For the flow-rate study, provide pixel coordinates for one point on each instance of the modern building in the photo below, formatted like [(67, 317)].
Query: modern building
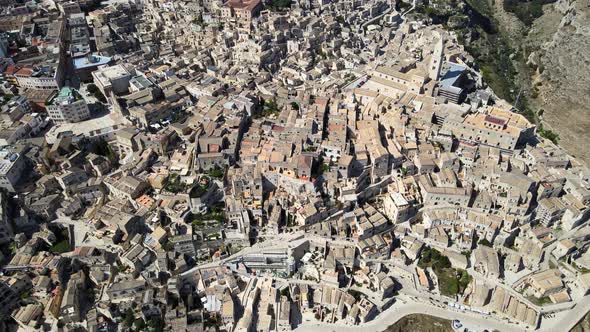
[(113, 79), (450, 83), (68, 106), (86, 65), (42, 77), (12, 166)]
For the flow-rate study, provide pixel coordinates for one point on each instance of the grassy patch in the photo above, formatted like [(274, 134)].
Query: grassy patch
[(129, 317), (63, 241), (419, 322), (540, 301), (61, 247)]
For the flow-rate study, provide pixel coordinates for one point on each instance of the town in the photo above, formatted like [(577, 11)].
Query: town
[(250, 165)]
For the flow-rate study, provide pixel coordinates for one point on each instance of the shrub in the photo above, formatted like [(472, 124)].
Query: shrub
[(548, 134)]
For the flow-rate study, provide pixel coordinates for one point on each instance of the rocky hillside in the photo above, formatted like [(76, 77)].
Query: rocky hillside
[(560, 44)]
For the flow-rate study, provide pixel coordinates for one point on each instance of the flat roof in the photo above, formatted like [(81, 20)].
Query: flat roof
[(450, 78), (91, 61)]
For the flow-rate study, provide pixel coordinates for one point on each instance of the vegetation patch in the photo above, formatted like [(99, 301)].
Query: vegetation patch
[(95, 91), (278, 5), (484, 242), (526, 11), (201, 219), (540, 301), (418, 322), (61, 247), (102, 148), (548, 134), (216, 173), (174, 184), (63, 242), (451, 281)]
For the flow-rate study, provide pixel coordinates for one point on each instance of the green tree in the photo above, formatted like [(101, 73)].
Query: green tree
[(155, 324), (278, 5), (216, 173), (96, 92), (139, 325), (129, 317), (485, 242)]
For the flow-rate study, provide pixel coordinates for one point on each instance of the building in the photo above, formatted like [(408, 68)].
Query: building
[(397, 208), (128, 187), (47, 74), (70, 305), (126, 290), (370, 146), (388, 78), (443, 195), (8, 298), (242, 11), (126, 142), (12, 166), (28, 317), (113, 79), (86, 65), (68, 106), (546, 282), (494, 127), (450, 83), (550, 210), (150, 114), (485, 261)]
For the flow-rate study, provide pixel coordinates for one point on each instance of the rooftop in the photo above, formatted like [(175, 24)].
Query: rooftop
[(91, 61)]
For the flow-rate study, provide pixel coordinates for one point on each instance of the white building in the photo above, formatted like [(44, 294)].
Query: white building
[(67, 107), (397, 208), (45, 75), (12, 166), (112, 79)]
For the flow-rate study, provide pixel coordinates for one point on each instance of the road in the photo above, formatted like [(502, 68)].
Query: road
[(377, 18), (413, 301), (566, 320), (409, 10), (406, 306)]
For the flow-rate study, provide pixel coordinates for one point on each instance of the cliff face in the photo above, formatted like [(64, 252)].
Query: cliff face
[(562, 79)]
